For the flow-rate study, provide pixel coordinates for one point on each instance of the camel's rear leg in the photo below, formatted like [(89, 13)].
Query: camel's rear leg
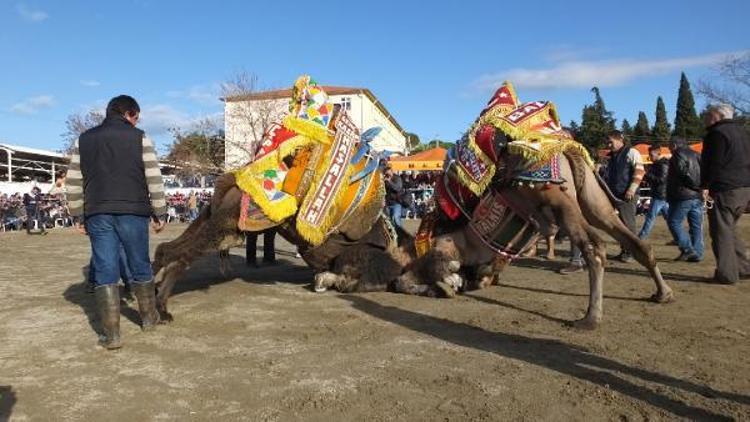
[(594, 253), (600, 213), (642, 252)]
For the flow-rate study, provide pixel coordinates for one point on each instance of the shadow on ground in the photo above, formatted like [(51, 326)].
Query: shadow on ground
[(203, 274), (7, 401), (557, 356), (555, 266)]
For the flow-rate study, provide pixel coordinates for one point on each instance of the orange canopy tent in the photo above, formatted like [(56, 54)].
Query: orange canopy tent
[(427, 160), (663, 151)]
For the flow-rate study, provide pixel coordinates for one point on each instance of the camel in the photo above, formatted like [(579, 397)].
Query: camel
[(366, 253), (579, 205)]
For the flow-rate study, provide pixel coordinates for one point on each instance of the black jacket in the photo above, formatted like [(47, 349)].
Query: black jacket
[(619, 172), (113, 169), (726, 157), (684, 176), (656, 177)]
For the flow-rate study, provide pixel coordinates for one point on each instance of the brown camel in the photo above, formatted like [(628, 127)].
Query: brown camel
[(578, 205), (366, 253)]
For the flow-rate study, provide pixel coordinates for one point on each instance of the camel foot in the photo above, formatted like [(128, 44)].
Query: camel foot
[(586, 323), (324, 280), (445, 290), (663, 297), (164, 316)]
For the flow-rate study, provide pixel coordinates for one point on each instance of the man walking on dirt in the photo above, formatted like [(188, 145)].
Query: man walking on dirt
[(624, 174), (725, 172), (115, 184)]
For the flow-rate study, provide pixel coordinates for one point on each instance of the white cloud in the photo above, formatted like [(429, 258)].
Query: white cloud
[(201, 94), (33, 104), (585, 74), (90, 82), (31, 15), (159, 118)]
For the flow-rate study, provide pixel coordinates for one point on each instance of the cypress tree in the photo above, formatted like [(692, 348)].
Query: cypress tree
[(642, 130), (661, 131), (687, 124), (596, 122), (625, 128)]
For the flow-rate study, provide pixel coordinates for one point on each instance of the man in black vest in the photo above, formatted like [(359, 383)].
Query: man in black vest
[(115, 182), (624, 174), (725, 173)]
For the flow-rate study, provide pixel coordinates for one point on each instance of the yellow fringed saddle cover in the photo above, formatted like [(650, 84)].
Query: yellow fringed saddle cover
[(317, 186), (535, 137)]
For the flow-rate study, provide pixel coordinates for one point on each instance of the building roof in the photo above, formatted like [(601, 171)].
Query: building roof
[(33, 151), (279, 94), (432, 154)]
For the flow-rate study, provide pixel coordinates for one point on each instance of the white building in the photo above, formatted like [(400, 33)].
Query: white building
[(245, 115)]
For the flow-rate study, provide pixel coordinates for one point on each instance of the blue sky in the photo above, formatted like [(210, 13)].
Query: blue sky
[(433, 64)]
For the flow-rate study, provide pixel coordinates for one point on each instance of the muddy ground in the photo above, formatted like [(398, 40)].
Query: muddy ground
[(262, 346)]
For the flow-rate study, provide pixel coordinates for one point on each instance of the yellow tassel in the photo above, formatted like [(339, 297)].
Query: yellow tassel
[(308, 128)]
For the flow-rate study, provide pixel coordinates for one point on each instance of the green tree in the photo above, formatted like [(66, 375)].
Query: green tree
[(574, 129), (432, 144), (687, 124), (412, 140), (596, 122), (661, 129), (199, 151), (625, 128), (642, 130)]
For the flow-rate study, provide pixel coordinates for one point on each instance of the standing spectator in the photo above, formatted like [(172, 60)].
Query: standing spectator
[(32, 202), (269, 247), (725, 173), (624, 174), (192, 205), (685, 200), (394, 192), (115, 182), (656, 177)]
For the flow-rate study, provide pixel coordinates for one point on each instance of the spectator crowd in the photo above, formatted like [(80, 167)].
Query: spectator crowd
[(33, 211)]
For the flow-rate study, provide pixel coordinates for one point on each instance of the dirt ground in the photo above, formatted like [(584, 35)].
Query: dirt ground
[(262, 346)]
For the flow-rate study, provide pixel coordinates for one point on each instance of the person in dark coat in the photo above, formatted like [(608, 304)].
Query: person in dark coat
[(725, 172), (656, 177), (394, 193), (685, 199)]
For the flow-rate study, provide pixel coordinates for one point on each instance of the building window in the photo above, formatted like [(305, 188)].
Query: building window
[(346, 103)]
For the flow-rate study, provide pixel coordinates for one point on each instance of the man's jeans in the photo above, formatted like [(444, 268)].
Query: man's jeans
[(658, 206), (107, 232), (395, 213), (125, 275), (693, 209)]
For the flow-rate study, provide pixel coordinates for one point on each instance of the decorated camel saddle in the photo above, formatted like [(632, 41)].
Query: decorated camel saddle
[(510, 144), (313, 166)]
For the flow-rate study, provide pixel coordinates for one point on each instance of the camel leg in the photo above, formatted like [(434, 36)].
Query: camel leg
[(408, 284), (600, 213), (166, 279), (550, 247), (594, 253), (642, 252), (325, 280)]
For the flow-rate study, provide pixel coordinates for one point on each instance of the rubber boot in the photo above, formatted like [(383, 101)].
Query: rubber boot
[(108, 307), (145, 293)]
